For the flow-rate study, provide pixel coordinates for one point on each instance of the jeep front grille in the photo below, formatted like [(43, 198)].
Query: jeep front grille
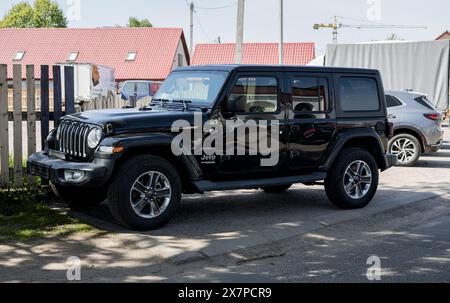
[(72, 138)]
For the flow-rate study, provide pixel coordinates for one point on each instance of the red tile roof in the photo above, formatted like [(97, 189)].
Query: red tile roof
[(254, 53), (156, 49)]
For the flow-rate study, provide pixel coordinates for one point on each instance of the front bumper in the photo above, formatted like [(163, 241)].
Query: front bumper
[(96, 173)]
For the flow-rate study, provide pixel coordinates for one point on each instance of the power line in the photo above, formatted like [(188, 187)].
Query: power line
[(198, 20), (218, 7), (201, 26)]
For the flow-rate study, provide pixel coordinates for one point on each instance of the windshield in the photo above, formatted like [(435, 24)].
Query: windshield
[(200, 88)]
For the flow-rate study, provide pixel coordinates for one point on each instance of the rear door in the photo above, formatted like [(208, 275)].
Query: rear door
[(361, 103), (312, 123), (394, 108)]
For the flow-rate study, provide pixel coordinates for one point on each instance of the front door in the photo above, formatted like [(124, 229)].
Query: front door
[(312, 123), (255, 114)]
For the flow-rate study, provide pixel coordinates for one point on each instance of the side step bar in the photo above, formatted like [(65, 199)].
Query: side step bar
[(206, 186)]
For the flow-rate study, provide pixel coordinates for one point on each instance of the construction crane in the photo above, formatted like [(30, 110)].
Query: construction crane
[(338, 25)]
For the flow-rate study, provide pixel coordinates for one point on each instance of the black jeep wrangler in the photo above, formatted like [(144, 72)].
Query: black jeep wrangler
[(323, 124)]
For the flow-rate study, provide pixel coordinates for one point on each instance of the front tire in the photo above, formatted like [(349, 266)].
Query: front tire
[(407, 148), (353, 179), (145, 193)]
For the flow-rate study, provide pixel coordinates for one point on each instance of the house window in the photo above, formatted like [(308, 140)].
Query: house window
[(180, 60), (72, 56), (19, 56), (131, 56)]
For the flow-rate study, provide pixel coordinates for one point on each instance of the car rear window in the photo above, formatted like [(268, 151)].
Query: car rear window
[(359, 94), (392, 101), (423, 100)]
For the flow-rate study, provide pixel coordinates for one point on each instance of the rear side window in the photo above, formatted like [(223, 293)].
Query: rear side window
[(423, 100), (391, 101), (359, 94), (309, 94)]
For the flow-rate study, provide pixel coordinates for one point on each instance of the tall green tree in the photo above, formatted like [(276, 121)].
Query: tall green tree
[(43, 13), (135, 22)]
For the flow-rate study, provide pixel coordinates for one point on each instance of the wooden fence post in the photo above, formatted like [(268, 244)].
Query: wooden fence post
[(69, 89), (17, 114), (4, 137), (45, 115), (57, 93), (31, 115)]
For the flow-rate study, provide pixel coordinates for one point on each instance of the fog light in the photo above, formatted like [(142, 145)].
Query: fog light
[(73, 176)]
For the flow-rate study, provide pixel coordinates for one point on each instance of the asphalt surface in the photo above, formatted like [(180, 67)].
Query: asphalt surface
[(250, 236)]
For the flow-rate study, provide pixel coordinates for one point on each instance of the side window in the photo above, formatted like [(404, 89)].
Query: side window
[(142, 88), (128, 87), (423, 100), (310, 94), (392, 101), (359, 94), (254, 95)]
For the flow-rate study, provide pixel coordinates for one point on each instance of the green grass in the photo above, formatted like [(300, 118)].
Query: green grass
[(24, 216), (11, 162)]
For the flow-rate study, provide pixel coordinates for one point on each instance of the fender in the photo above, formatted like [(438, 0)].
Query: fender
[(342, 138), (149, 140), (130, 141), (423, 139)]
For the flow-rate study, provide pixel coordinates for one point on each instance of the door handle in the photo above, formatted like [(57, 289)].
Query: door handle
[(391, 117)]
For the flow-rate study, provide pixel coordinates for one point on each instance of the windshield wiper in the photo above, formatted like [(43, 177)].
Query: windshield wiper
[(185, 103), (163, 101)]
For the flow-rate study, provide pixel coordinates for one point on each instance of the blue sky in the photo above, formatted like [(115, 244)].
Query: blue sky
[(261, 23)]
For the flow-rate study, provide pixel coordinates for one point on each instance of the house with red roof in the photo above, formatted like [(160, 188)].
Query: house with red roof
[(134, 53), (254, 53)]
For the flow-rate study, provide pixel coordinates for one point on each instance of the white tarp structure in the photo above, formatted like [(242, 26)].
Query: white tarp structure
[(419, 66)]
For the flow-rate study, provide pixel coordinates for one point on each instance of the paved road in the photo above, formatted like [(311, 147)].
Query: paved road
[(252, 236)]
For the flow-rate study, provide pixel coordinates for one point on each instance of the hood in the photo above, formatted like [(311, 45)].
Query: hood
[(135, 120)]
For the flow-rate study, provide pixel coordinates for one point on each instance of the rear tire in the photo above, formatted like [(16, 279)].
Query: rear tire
[(407, 148), (78, 198), (276, 189), (353, 179), (145, 193)]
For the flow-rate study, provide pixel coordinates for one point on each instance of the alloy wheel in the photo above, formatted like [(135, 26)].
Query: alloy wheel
[(404, 149), (150, 194), (357, 179)]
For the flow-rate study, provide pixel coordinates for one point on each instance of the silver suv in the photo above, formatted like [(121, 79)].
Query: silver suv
[(417, 126)]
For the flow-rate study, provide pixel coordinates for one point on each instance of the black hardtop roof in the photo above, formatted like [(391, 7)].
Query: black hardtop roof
[(277, 68)]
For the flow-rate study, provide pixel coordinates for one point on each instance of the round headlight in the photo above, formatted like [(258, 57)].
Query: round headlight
[(51, 135), (94, 137)]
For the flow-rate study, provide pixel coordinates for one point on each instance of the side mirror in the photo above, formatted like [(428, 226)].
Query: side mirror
[(227, 111)]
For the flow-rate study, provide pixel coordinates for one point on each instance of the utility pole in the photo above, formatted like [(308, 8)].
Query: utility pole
[(191, 44), (239, 31), (281, 47)]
